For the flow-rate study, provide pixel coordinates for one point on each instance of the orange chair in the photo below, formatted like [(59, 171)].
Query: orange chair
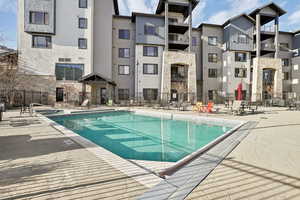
[(209, 107)]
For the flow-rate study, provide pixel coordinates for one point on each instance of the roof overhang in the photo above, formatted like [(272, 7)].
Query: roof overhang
[(116, 7), (272, 5), (95, 77), (181, 7)]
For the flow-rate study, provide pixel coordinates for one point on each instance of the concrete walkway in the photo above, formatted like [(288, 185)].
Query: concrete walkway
[(265, 166), (38, 162)]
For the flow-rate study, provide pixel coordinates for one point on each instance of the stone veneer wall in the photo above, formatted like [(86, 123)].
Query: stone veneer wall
[(183, 58), (259, 64), (39, 83)]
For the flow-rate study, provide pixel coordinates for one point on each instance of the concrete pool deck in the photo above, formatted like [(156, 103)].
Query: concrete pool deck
[(38, 162)]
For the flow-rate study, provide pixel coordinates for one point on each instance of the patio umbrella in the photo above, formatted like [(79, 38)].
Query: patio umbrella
[(240, 92)]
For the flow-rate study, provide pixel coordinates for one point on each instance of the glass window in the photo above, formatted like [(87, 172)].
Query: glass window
[(40, 18), (39, 41), (123, 94), (286, 75), (83, 3), (242, 39), (150, 51), (150, 69), (173, 20), (82, 43), (83, 23), (194, 41), (240, 73), (71, 72), (285, 62), (212, 41), (124, 53), (149, 30), (124, 34), (213, 57), (150, 94), (212, 73), (124, 70), (240, 57)]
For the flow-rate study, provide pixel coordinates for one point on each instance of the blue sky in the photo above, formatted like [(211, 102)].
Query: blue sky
[(209, 11)]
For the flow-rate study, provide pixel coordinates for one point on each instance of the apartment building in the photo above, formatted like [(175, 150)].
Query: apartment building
[(157, 56)]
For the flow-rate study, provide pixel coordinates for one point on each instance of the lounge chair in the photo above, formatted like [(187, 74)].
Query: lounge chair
[(198, 107), (109, 103), (237, 108), (85, 103)]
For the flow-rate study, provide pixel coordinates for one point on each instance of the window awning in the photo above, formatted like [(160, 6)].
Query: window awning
[(95, 77)]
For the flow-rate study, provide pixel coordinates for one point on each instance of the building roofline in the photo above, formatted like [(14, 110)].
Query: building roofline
[(116, 7), (207, 24), (122, 16), (273, 5), (238, 16), (160, 5), (297, 32), (134, 14)]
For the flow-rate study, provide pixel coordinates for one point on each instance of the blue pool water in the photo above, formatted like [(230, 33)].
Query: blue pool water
[(138, 137)]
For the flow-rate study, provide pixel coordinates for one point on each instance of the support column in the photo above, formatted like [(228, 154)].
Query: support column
[(190, 27), (258, 40), (166, 25), (276, 41)]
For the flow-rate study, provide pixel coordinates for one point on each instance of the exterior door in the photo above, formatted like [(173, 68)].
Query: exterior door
[(59, 94)]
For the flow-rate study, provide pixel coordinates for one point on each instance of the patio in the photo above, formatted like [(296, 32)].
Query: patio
[(38, 162)]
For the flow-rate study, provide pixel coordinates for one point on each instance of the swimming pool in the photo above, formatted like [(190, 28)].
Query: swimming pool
[(139, 137)]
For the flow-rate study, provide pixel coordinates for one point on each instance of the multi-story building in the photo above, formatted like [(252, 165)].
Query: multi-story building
[(156, 56)]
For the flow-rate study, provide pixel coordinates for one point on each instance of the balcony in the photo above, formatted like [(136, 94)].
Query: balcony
[(175, 27), (178, 41), (266, 32), (178, 78)]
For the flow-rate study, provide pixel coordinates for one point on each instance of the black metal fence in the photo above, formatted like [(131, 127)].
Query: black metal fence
[(15, 98)]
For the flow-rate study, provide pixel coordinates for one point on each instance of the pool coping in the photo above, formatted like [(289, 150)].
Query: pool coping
[(185, 180), (141, 175)]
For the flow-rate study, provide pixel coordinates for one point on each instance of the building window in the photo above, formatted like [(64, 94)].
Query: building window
[(124, 34), (173, 20), (194, 41), (285, 62), (240, 57), (150, 51), (83, 3), (286, 76), (150, 94), (39, 41), (240, 72), (82, 23), (242, 39), (212, 73), (40, 18), (149, 30), (124, 70), (69, 72), (124, 53), (210, 95), (212, 41), (213, 57), (150, 69), (82, 43), (284, 46), (123, 94)]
